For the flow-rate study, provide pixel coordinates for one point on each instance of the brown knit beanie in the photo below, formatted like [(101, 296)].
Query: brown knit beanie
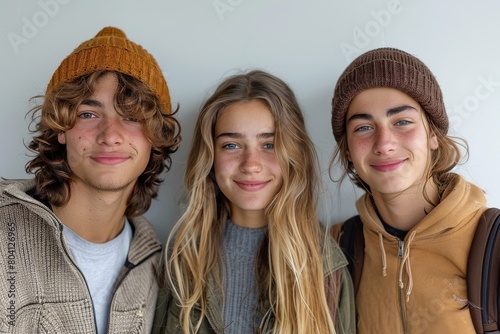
[(388, 67), (110, 50)]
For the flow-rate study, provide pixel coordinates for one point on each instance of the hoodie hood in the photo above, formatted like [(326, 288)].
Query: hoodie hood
[(460, 201)]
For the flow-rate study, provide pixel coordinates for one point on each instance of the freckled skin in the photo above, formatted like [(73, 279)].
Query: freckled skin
[(245, 165), (104, 150), (389, 147)]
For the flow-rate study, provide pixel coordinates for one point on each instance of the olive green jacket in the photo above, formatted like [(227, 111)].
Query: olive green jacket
[(335, 268)]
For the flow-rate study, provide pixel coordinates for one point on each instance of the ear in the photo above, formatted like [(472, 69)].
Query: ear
[(61, 138), (348, 154), (433, 142)]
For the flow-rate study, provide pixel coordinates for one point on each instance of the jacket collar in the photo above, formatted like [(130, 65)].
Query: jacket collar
[(144, 241)]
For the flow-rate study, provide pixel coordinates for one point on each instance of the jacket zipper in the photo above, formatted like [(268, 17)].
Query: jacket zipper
[(129, 267), (66, 251), (401, 249)]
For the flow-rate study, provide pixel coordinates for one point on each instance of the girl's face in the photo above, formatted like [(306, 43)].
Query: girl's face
[(245, 165), (387, 140)]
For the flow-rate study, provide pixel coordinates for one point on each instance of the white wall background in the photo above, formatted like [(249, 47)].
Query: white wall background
[(307, 43)]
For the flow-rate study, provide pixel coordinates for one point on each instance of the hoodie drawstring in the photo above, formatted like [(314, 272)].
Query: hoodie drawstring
[(406, 264), (384, 257)]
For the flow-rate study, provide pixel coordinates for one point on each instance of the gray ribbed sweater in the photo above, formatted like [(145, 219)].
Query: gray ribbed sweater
[(240, 291)]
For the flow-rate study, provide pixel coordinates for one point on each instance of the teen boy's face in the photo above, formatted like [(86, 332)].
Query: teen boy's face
[(105, 151), (387, 140), (245, 165)]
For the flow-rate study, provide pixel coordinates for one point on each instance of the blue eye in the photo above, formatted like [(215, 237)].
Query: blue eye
[(363, 128), (403, 122), (269, 146), (132, 119), (230, 146), (86, 115)]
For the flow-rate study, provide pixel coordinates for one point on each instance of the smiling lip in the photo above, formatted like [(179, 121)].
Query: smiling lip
[(251, 185), (388, 166), (110, 158)]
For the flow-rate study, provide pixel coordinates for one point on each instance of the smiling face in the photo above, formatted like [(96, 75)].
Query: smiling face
[(246, 169), (387, 140), (105, 151)]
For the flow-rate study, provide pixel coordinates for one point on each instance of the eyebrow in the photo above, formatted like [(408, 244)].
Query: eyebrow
[(237, 135), (390, 112), (92, 103)]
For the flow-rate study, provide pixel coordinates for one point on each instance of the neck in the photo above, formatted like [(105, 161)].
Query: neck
[(406, 209), (249, 219), (96, 216)]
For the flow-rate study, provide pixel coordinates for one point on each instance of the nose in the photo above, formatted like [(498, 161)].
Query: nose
[(110, 131), (384, 141), (251, 161)]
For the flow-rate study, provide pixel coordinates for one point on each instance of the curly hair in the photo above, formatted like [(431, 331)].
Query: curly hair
[(289, 263), (57, 114)]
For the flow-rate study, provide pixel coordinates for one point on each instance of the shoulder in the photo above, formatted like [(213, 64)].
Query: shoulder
[(333, 257), (142, 228), (335, 230), (10, 189), (16, 202), (144, 240)]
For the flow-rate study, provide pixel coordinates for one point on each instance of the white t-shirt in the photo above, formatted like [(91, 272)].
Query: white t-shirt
[(101, 265)]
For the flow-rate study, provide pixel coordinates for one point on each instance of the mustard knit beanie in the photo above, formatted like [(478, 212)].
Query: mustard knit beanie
[(110, 50), (388, 67)]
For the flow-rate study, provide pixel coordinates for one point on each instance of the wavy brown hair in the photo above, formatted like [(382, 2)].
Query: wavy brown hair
[(289, 264), (57, 114)]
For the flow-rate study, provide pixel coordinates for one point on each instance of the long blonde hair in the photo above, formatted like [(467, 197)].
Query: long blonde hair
[(289, 263)]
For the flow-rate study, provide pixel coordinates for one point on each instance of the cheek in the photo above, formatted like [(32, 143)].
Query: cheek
[(421, 143), (223, 169), (137, 136), (275, 167), (356, 149), (222, 165), (75, 144), (77, 137), (143, 146)]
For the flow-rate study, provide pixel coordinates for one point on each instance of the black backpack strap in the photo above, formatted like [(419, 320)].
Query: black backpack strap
[(483, 270), (352, 242)]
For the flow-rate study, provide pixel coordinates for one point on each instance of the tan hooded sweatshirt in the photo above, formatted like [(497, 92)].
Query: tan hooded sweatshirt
[(418, 285)]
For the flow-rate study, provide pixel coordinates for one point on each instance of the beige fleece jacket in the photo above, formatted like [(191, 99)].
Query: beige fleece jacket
[(41, 288)]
